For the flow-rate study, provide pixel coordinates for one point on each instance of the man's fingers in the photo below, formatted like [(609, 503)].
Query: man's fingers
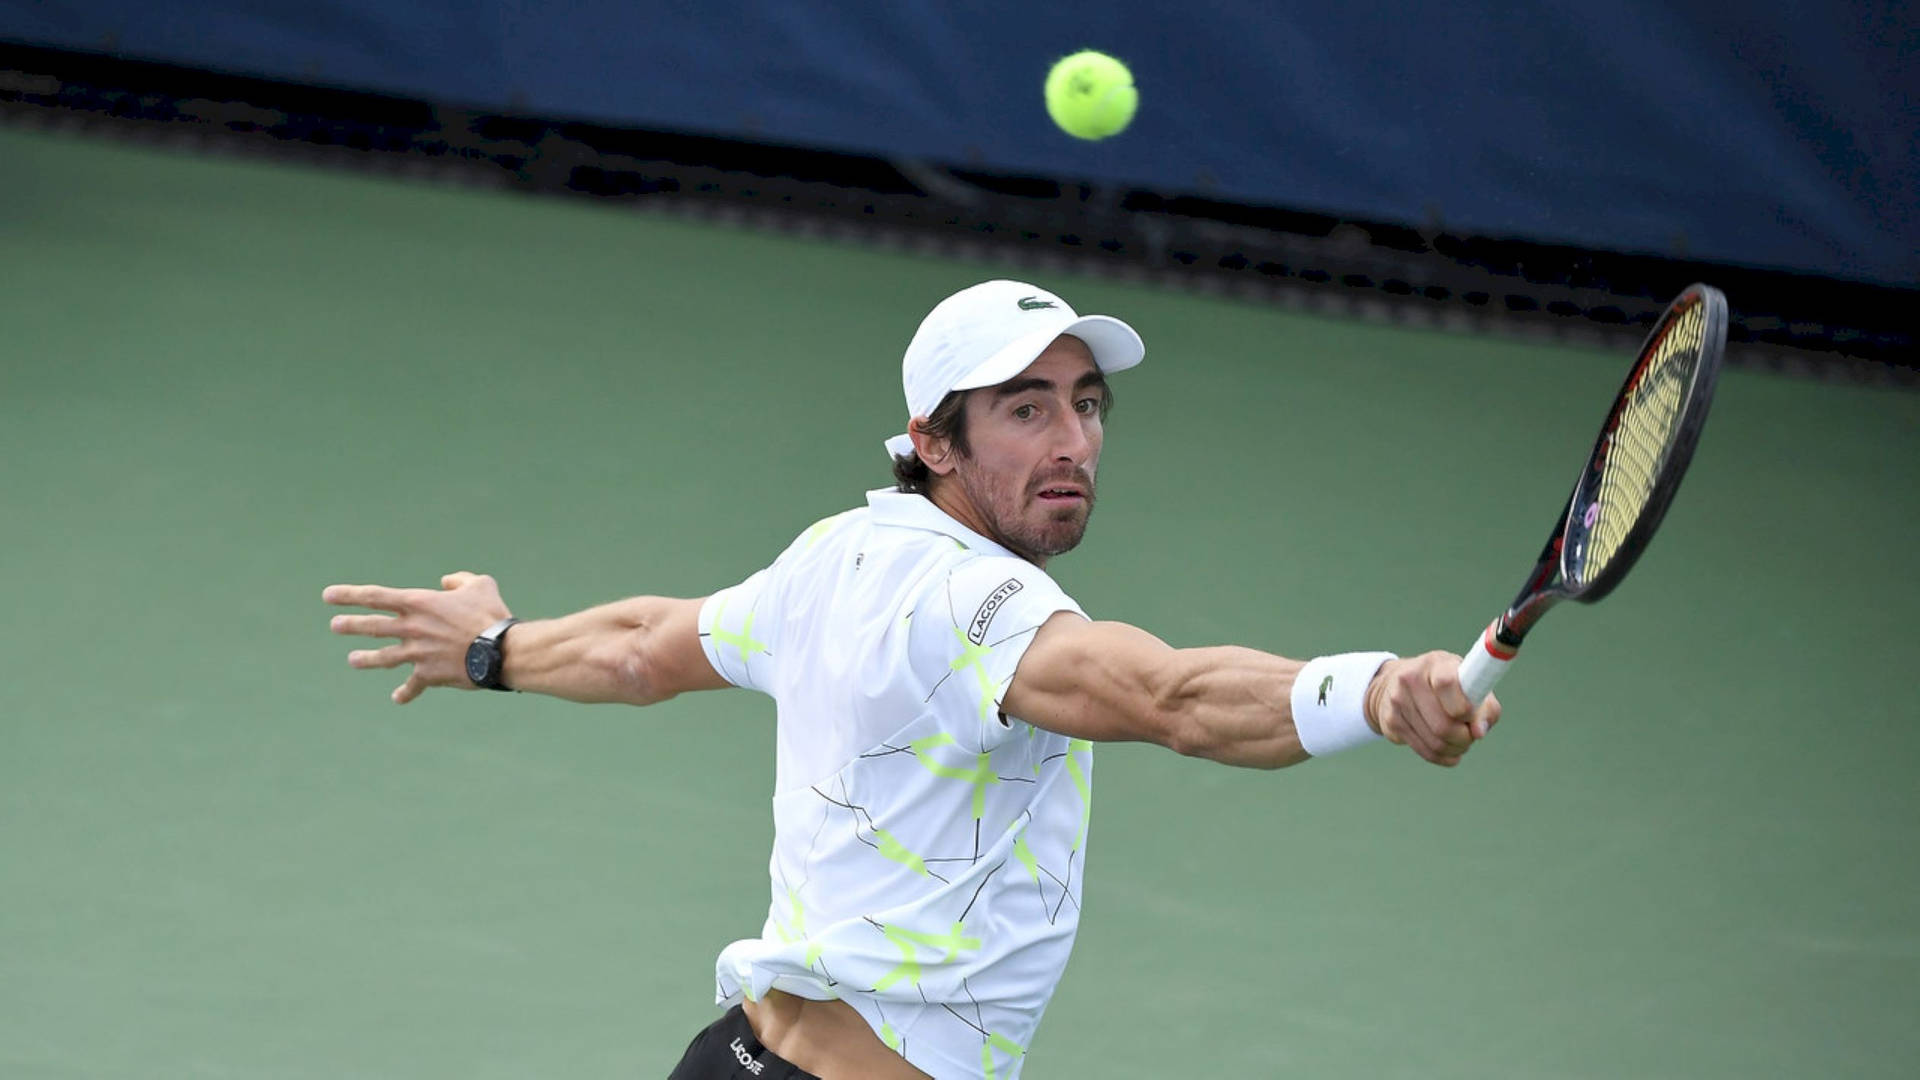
[(366, 625), (373, 596), (1444, 705), (391, 656), (427, 621), (1424, 706), (408, 690), (1486, 716), (1442, 739), (1407, 722), (1446, 736), (1443, 675)]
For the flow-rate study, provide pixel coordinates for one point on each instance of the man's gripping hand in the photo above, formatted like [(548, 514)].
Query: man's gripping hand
[(434, 627), (1418, 702)]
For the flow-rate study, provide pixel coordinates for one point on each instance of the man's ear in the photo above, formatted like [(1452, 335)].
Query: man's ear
[(936, 454)]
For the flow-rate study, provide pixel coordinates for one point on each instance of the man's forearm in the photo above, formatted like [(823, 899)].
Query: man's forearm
[(605, 654), (1109, 681), (1232, 705)]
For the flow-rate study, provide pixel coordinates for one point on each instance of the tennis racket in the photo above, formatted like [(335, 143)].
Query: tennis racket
[(1623, 492)]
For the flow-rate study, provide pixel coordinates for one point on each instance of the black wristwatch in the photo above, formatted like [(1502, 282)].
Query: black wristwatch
[(484, 658)]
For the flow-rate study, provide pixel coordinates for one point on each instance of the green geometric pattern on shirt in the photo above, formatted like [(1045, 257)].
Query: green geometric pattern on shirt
[(979, 776), (823, 527), (1024, 852), (997, 1042), (799, 931), (953, 941), (974, 656), (1079, 776), (892, 848), (743, 641)]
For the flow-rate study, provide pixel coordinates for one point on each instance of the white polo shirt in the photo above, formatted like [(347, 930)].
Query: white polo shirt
[(928, 852)]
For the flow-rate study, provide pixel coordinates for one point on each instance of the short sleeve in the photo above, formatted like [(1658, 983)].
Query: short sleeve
[(739, 651), (994, 605)]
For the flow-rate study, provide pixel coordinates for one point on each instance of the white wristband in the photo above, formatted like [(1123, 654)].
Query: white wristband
[(1330, 701)]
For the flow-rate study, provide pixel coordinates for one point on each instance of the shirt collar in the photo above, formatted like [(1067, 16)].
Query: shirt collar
[(890, 507)]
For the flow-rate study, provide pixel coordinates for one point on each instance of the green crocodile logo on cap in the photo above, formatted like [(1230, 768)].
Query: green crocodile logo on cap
[(1034, 303)]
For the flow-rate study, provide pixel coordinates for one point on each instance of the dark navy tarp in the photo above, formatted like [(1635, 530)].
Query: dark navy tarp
[(1773, 133)]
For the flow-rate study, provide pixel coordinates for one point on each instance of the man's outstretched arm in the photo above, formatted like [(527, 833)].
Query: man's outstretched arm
[(636, 652), (1109, 681)]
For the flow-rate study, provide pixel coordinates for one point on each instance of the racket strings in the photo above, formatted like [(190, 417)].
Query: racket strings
[(1644, 432)]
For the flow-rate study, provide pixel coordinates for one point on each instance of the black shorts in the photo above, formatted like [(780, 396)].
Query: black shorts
[(729, 1050)]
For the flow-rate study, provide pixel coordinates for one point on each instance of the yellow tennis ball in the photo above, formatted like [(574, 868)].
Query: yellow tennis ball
[(1091, 95)]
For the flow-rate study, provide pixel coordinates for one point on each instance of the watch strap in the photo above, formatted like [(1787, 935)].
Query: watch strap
[(489, 640)]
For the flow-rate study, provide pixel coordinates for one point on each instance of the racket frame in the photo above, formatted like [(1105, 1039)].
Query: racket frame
[(1552, 579)]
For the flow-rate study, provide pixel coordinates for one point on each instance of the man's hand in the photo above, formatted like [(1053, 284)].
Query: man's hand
[(1418, 702), (434, 628)]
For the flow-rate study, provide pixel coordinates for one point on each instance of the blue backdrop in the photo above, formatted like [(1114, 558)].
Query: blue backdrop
[(1773, 133)]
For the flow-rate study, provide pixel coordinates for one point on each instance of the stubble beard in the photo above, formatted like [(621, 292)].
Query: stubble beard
[(1053, 531)]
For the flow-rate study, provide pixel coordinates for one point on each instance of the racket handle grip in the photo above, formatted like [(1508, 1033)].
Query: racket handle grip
[(1483, 665)]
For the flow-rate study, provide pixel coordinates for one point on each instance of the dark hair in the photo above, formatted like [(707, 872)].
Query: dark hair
[(949, 422)]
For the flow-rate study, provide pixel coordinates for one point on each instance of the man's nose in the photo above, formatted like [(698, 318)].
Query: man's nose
[(1071, 442)]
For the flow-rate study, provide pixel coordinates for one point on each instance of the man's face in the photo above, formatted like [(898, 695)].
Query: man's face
[(1035, 445)]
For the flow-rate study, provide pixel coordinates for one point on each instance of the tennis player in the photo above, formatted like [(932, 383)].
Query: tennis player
[(938, 698)]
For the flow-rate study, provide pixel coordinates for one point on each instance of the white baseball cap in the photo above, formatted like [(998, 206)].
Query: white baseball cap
[(988, 333)]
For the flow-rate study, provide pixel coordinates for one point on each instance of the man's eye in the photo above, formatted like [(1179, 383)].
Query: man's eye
[(1023, 412), (1087, 405)]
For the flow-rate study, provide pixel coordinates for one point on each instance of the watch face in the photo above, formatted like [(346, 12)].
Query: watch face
[(477, 663)]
